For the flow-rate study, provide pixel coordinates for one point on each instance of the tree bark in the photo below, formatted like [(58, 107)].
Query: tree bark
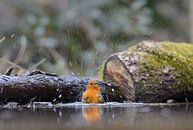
[(152, 72), (148, 72), (50, 88)]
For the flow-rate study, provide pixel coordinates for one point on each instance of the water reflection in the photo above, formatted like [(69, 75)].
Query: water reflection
[(178, 117), (91, 114)]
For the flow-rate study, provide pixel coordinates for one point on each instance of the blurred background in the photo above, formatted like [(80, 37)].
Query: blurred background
[(73, 37)]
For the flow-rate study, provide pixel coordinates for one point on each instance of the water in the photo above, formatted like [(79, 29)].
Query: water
[(110, 116)]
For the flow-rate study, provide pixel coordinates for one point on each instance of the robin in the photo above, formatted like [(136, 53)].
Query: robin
[(92, 93)]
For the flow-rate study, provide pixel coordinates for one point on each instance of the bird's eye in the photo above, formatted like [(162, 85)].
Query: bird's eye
[(90, 83)]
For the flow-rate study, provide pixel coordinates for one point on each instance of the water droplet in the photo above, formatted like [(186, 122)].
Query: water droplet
[(60, 113), (2, 90), (2, 39), (109, 84), (60, 96), (12, 35)]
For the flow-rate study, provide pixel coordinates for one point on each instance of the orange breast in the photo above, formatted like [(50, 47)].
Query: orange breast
[(91, 96)]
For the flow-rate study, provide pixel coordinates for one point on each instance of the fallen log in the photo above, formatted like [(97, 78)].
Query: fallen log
[(40, 87), (148, 72), (152, 72)]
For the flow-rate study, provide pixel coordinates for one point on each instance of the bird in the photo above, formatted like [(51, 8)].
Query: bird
[(92, 94)]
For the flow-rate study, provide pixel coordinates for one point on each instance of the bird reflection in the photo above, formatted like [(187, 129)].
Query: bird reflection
[(91, 114)]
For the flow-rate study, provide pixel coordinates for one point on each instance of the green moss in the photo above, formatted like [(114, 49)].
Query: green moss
[(169, 54), (132, 48)]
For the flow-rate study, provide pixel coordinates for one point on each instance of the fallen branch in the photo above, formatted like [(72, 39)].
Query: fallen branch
[(45, 87), (152, 72)]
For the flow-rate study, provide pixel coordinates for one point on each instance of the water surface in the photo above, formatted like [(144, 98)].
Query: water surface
[(103, 116)]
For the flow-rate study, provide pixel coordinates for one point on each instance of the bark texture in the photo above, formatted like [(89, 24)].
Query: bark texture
[(50, 88), (152, 72)]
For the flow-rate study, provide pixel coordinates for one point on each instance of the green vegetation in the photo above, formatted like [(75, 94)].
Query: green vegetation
[(175, 58), (76, 36)]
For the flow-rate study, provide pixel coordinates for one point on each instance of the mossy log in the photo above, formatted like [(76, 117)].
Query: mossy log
[(152, 72), (40, 87)]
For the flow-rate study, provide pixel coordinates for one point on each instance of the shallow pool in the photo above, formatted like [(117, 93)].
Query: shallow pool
[(119, 116)]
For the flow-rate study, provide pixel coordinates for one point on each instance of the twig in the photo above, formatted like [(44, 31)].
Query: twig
[(12, 63), (22, 49), (9, 71), (37, 64)]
